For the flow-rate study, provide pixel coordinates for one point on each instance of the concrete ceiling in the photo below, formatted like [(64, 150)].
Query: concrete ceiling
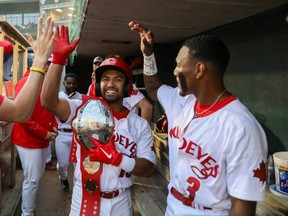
[(105, 29)]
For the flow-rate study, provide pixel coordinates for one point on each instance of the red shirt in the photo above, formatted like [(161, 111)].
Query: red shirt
[(1, 99), (91, 90), (8, 47), (31, 134)]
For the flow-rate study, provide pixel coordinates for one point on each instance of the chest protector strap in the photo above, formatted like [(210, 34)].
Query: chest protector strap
[(90, 171)]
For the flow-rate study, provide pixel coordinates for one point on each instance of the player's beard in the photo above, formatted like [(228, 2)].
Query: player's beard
[(182, 85), (70, 90), (112, 98)]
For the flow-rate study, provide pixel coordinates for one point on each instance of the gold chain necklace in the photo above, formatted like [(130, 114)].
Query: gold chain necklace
[(200, 113)]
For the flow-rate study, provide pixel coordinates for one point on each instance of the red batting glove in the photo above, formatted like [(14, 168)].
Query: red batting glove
[(62, 47), (105, 153)]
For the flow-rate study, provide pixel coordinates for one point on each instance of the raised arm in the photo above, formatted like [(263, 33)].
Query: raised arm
[(49, 94), (20, 110), (151, 79)]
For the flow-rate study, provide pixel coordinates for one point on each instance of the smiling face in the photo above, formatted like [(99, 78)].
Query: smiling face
[(185, 72), (112, 84)]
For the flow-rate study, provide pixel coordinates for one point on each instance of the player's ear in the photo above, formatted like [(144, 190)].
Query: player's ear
[(200, 69)]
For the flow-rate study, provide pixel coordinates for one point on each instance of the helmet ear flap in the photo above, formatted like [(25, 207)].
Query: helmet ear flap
[(97, 90), (128, 88)]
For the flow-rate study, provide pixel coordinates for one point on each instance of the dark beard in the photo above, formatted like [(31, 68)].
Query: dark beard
[(183, 84), (111, 100)]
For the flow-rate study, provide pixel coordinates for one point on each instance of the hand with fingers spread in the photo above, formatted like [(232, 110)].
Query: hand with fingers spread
[(20, 109), (105, 153), (146, 36), (44, 43), (62, 48)]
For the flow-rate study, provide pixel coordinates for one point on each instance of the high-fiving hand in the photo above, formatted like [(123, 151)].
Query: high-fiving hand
[(43, 45), (146, 36), (62, 47)]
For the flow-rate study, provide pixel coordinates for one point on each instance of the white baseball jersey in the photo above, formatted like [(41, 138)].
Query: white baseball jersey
[(63, 95), (133, 137), (63, 140), (213, 156)]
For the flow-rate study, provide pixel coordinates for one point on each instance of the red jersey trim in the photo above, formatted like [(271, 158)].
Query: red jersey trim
[(120, 115), (213, 109)]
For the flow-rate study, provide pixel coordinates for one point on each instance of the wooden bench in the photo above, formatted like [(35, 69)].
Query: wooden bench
[(149, 195)]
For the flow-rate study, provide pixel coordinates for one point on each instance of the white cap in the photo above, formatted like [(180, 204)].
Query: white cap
[(97, 59)]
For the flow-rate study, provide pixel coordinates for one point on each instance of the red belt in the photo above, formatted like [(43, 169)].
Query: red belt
[(112, 194), (109, 195), (185, 200), (65, 130)]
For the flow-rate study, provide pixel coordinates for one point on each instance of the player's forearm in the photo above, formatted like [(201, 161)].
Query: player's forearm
[(147, 114), (21, 109), (152, 84), (28, 95), (143, 168), (151, 79), (49, 94), (146, 109)]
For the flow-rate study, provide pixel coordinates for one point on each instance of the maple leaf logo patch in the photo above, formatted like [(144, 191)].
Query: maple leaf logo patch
[(134, 92), (260, 173)]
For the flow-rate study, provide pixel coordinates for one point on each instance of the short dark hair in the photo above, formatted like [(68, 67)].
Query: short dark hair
[(71, 75), (209, 48)]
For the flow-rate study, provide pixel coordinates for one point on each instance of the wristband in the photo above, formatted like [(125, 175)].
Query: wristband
[(127, 163), (150, 66), (39, 70), (59, 59)]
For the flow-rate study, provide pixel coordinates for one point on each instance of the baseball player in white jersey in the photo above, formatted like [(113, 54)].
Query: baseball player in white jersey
[(102, 190), (132, 138), (64, 138), (217, 149)]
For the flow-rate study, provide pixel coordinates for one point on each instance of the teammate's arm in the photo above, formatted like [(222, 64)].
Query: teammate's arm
[(20, 109), (146, 109), (143, 164), (242, 207), (49, 94), (151, 79)]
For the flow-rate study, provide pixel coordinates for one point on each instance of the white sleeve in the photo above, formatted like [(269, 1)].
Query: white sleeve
[(74, 104), (145, 147), (246, 156), (167, 96), (136, 96), (78, 95)]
